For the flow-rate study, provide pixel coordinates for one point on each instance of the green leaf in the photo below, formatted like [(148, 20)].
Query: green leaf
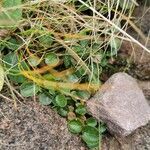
[(91, 122), (1, 77), (81, 110), (102, 128), (61, 100), (45, 99), (51, 59), (34, 61), (17, 78), (10, 60), (126, 4), (75, 126), (9, 17), (12, 64), (80, 72), (72, 78), (82, 8), (84, 43), (64, 91), (28, 89), (78, 49), (67, 61), (93, 145), (51, 91), (49, 76), (23, 65), (46, 40), (83, 94), (91, 136), (13, 44), (1, 47), (62, 112), (115, 44)]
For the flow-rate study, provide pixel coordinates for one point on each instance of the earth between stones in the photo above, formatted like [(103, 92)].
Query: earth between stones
[(34, 127)]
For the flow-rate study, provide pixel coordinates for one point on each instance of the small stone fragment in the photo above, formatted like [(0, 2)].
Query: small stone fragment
[(120, 103)]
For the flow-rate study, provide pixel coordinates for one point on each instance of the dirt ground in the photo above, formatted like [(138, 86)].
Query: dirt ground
[(34, 127)]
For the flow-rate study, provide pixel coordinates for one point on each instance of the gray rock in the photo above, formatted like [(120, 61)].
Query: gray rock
[(120, 103)]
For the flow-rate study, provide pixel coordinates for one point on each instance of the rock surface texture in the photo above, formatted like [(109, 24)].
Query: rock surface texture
[(121, 104)]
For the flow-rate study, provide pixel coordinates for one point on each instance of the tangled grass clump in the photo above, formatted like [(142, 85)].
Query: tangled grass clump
[(57, 51)]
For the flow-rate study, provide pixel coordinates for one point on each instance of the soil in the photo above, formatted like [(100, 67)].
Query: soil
[(34, 127)]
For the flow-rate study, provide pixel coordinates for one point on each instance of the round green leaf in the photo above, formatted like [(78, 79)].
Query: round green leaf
[(83, 94), (72, 78), (81, 110), (61, 100), (75, 126), (84, 43), (64, 90), (46, 40), (90, 135), (93, 145), (78, 49), (115, 44), (91, 122), (17, 78), (45, 99), (62, 112), (80, 72), (67, 60), (33, 61), (10, 60), (13, 44), (29, 89), (51, 59)]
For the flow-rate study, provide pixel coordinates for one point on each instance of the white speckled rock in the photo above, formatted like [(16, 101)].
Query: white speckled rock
[(120, 103)]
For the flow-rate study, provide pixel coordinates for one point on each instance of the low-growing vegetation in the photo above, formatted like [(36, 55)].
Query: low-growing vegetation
[(56, 52)]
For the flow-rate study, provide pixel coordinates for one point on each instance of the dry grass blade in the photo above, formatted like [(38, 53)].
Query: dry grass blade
[(115, 26), (1, 77)]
